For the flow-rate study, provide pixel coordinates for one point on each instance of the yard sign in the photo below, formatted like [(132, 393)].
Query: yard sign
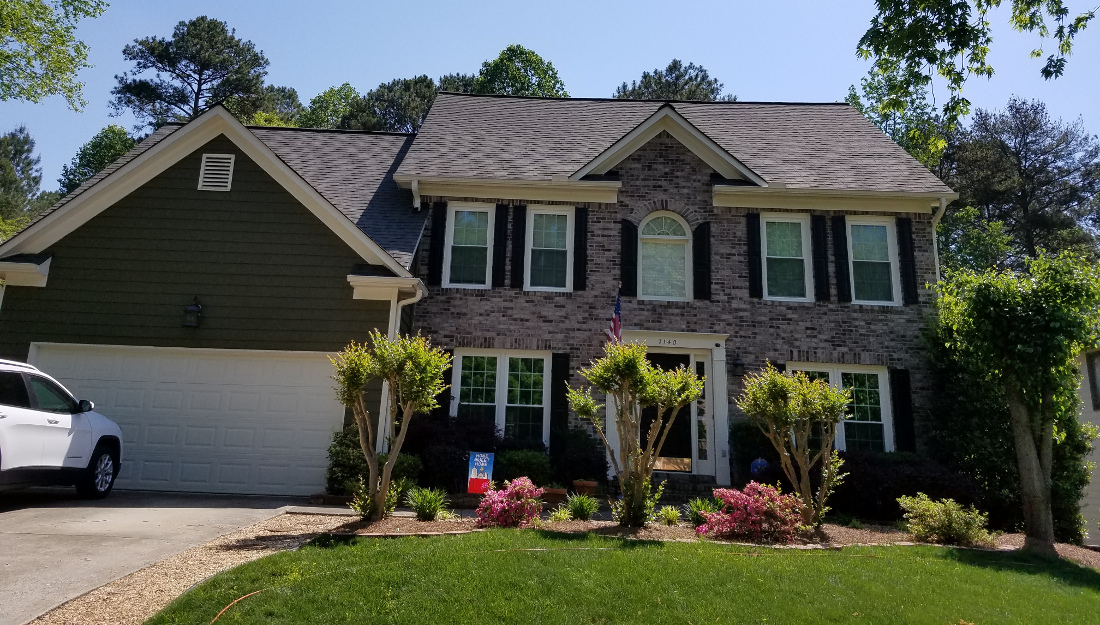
[(481, 471)]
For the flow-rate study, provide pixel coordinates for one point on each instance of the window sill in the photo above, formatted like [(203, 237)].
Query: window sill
[(880, 304), (546, 289), (483, 287)]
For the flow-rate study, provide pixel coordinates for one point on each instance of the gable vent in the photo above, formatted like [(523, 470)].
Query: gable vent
[(216, 173)]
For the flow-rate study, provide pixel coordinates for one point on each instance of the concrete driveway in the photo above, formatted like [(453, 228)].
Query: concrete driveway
[(56, 546)]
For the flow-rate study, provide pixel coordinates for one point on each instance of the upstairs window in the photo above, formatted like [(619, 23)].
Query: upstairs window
[(664, 259), (787, 272), (469, 251), (873, 251), (549, 243)]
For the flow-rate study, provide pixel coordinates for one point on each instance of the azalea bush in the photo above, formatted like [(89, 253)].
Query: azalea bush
[(759, 513), (515, 505)]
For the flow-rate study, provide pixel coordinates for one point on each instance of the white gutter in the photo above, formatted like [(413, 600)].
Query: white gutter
[(935, 235)]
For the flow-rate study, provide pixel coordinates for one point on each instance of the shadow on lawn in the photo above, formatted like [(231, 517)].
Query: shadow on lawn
[(1065, 571), (615, 537)]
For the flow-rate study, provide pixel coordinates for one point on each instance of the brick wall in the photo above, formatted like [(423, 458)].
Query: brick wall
[(664, 175)]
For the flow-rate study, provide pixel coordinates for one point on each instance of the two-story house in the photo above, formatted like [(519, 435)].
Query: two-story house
[(735, 232)]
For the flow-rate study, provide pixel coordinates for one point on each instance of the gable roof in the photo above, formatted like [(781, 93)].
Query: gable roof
[(802, 146)]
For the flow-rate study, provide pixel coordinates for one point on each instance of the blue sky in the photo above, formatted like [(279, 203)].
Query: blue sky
[(782, 51)]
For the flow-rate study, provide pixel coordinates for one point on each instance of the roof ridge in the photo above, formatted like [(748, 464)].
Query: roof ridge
[(334, 130), (666, 101)]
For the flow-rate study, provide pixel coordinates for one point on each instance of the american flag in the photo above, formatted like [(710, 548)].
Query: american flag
[(615, 331)]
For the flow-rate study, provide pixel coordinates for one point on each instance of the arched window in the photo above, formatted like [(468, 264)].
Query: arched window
[(664, 258)]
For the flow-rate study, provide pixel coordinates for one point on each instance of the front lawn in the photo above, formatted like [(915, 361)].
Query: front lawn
[(509, 576)]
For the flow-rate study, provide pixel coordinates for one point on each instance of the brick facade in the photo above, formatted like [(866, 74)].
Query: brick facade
[(664, 175)]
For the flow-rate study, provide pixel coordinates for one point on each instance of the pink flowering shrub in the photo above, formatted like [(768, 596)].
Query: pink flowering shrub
[(515, 505), (759, 513)]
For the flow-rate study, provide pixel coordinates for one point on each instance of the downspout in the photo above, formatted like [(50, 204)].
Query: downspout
[(421, 291), (382, 445), (935, 234), (416, 193)]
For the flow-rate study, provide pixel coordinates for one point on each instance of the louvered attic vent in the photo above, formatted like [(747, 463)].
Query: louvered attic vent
[(216, 173)]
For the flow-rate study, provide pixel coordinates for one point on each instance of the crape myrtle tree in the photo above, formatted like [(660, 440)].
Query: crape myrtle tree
[(633, 383), (799, 416), (413, 371), (1024, 329)]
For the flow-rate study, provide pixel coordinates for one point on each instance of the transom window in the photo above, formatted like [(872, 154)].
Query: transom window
[(787, 272), (664, 258), (869, 426), (874, 267), (511, 388), (549, 265), (468, 255)]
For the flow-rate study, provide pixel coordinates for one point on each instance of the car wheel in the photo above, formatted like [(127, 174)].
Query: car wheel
[(99, 478)]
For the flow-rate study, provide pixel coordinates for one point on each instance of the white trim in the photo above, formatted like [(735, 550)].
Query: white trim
[(501, 404), (267, 353), (25, 274), (668, 119), (808, 271), (602, 191), (216, 185), (777, 196), (490, 236), (885, 395), (892, 249), (383, 287), (170, 150), (689, 286), (541, 209)]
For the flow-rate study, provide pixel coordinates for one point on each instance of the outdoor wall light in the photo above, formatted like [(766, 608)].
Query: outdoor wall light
[(192, 314), (737, 367)]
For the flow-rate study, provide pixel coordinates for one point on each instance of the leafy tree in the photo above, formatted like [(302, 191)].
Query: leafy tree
[(39, 54), (20, 179), (102, 150), (274, 106), (458, 83), (396, 106), (204, 63), (626, 375), (413, 371), (952, 39), (968, 241), (328, 108), (799, 416), (519, 71), (1037, 176), (675, 82), (912, 124), (1023, 330)]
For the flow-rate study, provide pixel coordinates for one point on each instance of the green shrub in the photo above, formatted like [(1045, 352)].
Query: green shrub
[(669, 515), (360, 499), (513, 463), (695, 508), (427, 503), (582, 507), (346, 464), (944, 522), (561, 513)]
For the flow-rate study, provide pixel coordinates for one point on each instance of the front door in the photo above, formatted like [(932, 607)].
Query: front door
[(689, 446)]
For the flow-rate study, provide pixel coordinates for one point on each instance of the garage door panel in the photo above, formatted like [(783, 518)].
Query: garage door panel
[(209, 420)]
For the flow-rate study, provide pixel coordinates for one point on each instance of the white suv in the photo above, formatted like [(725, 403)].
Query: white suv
[(47, 437)]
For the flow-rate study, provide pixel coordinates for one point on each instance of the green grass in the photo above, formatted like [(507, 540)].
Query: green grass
[(486, 578)]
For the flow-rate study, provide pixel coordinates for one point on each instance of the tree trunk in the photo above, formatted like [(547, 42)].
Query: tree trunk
[(1034, 486)]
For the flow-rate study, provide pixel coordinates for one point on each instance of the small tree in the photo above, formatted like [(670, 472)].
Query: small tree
[(1024, 330), (95, 155), (413, 369), (634, 383), (799, 416)]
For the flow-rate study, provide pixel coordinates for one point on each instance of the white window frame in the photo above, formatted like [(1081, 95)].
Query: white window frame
[(688, 252), (570, 213), (502, 357), (892, 248), (835, 372), (452, 208), (808, 272)]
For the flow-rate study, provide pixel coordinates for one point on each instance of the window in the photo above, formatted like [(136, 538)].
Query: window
[(787, 272), (1092, 363), (664, 258), (13, 392), (511, 388), (869, 426), (51, 398), (549, 265), (873, 251), (468, 256)]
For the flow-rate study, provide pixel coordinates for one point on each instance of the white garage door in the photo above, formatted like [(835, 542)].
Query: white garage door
[(208, 420)]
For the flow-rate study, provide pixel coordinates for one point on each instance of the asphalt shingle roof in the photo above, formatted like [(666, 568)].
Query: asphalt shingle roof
[(808, 146)]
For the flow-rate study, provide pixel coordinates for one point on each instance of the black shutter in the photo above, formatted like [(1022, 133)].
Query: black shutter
[(819, 245), (840, 256), (559, 402), (629, 259), (580, 248), (443, 410), (901, 399), (907, 261), (756, 267), (700, 261), (439, 239), (500, 245), (780, 366), (519, 244)]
